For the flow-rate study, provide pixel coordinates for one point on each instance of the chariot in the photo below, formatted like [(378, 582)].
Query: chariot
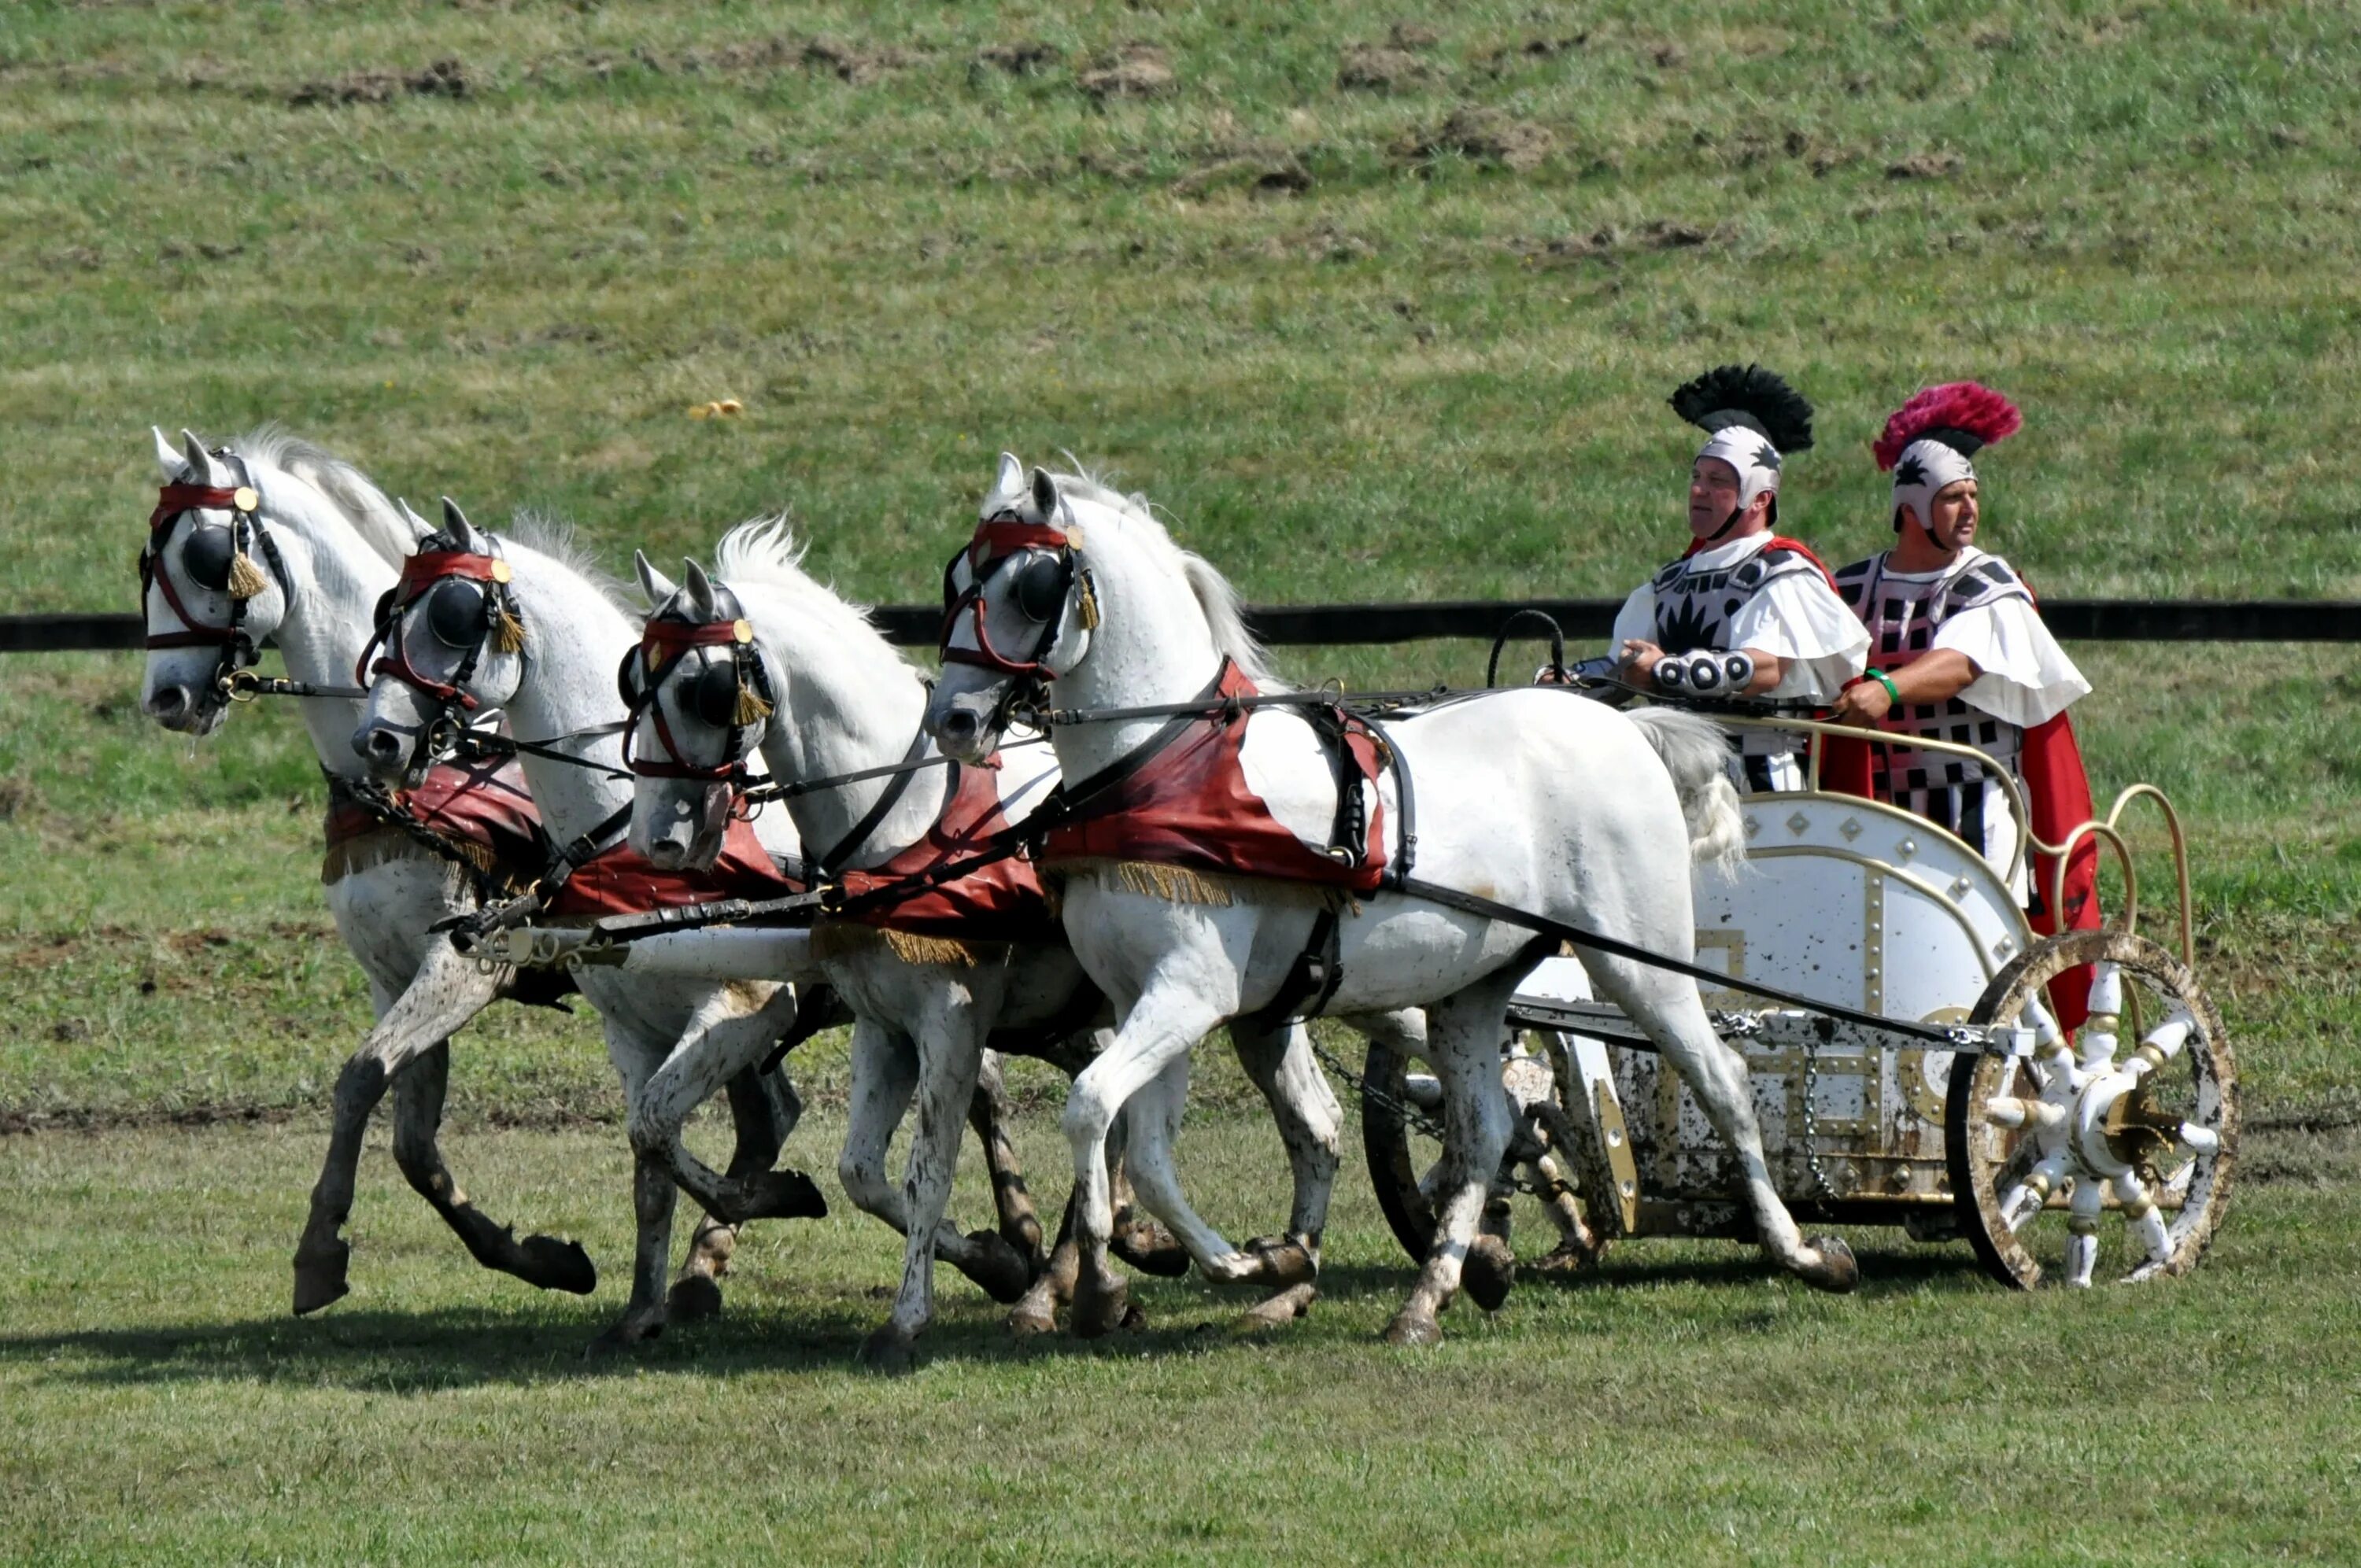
[(2050, 1153)]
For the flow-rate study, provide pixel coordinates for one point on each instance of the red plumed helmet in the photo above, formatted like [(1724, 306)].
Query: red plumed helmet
[(1962, 415)]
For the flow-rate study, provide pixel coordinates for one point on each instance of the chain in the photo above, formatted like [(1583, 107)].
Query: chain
[(1402, 1111)]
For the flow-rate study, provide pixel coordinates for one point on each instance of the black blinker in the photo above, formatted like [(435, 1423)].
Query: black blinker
[(455, 613), (1041, 588), (206, 554), (714, 698), (629, 677)]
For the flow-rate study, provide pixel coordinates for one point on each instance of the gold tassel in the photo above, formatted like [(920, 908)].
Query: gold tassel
[(508, 631), (245, 578), (1174, 884), (751, 705)]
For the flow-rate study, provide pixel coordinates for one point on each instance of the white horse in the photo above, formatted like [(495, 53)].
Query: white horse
[(926, 1004), (1535, 798), (323, 545), (544, 652)]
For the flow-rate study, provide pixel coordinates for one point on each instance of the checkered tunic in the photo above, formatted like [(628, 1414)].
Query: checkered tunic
[(1696, 606), (1904, 614)]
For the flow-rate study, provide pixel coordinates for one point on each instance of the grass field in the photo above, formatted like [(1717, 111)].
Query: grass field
[(1379, 302)]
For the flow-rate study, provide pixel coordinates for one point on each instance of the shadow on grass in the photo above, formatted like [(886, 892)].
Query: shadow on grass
[(768, 1331)]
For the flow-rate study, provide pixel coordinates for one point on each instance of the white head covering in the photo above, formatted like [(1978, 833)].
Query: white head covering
[(1752, 416), (1929, 440)]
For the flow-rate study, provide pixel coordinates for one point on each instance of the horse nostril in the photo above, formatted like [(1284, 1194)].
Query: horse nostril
[(168, 701), (959, 724), (380, 746)]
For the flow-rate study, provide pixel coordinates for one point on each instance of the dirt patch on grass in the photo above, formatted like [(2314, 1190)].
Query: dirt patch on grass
[(1486, 136), (1029, 57), (1133, 71), (1925, 166), (851, 63), (447, 78), (1606, 244), (1267, 175), (1379, 67)]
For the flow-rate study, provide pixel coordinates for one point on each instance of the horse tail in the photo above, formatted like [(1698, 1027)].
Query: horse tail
[(1694, 751)]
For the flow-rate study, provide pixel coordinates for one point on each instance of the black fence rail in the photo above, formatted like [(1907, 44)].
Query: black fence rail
[(1337, 625)]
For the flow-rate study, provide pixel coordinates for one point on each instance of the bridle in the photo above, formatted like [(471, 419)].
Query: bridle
[(481, 612), (734, 696), (247, 536), (1045, 584)]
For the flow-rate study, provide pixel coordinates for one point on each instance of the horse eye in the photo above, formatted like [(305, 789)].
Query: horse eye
[(455, 613), (206, 555), (715, 697), (1041, 588), (957, 576)]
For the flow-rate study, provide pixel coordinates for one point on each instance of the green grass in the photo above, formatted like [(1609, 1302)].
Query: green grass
[(1684, 1406), (1354, 360)]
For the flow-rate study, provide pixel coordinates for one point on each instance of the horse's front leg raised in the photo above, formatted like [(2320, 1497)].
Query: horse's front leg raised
[(444, 994), (1463, 1042), (722, 1046)]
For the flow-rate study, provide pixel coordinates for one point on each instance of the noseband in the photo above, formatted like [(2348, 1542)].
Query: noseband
[(247, 538), (663, 646)]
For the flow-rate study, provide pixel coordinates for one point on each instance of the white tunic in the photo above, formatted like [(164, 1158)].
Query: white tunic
[(1745, 594)]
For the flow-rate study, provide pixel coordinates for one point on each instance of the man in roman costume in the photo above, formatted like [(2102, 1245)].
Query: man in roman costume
[(1962, 655), (1744, 611)]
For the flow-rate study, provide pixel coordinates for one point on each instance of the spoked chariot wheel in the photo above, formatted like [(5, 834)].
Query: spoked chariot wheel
[(2117, 1148), (1540, 1187)]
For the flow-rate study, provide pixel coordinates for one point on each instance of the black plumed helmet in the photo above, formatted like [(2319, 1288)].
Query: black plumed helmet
[(1750, 396)]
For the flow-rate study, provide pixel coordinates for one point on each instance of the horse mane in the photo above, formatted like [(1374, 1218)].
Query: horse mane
[(364, 508), (556, 538), (1215, 595), (765, 550)]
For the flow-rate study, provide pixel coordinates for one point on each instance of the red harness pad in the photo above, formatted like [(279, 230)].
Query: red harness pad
[(1002, 902), (617, 881), (482, 809), (1190, 807)]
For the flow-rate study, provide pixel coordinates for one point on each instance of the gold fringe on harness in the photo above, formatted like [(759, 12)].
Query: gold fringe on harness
[(245, 578), (384, 846), (1174, 884), (751, 705), (847, 938), (508, 631)]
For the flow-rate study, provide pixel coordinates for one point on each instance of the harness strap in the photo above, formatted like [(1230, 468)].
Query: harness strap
[(1313, 976), (1492, 909), (833, 860)]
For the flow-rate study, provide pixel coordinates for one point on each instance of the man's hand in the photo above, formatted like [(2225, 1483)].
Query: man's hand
[(1862, 703), (1640, 661)]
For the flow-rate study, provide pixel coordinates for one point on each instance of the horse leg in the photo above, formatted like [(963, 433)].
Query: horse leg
[(1175, 1010), (1463, 1042), (545, 1261), (721, 1045), (988, 1113), (1281, 1063), (885, 1075), (950, 1059), (765, 1109), (1036, 1311), (444, 994), (1667, 1007), (653, 1198)]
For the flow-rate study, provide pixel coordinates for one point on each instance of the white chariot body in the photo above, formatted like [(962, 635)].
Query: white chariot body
[(2021, 1141)]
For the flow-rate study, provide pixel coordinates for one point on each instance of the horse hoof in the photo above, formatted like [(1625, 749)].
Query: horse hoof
[(1001, 1269), (785, 1195), (1282, 1262), (1490, 1270), (320, 1277), (1568, 1260), (554, 1264), (890, 1351), (1099, 1305), (1151, 1249), (1029, 1319), (694, 1298), (1133, 1319), (1836, 1272), (1289, 1304), (633, 1328), (1411, 1328)]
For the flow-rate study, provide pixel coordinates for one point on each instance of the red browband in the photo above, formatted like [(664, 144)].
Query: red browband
[(677, 637), (171, 501), (1003, 537), (421, 571)]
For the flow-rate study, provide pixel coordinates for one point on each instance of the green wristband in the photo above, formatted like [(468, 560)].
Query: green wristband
[(1882, 679)]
